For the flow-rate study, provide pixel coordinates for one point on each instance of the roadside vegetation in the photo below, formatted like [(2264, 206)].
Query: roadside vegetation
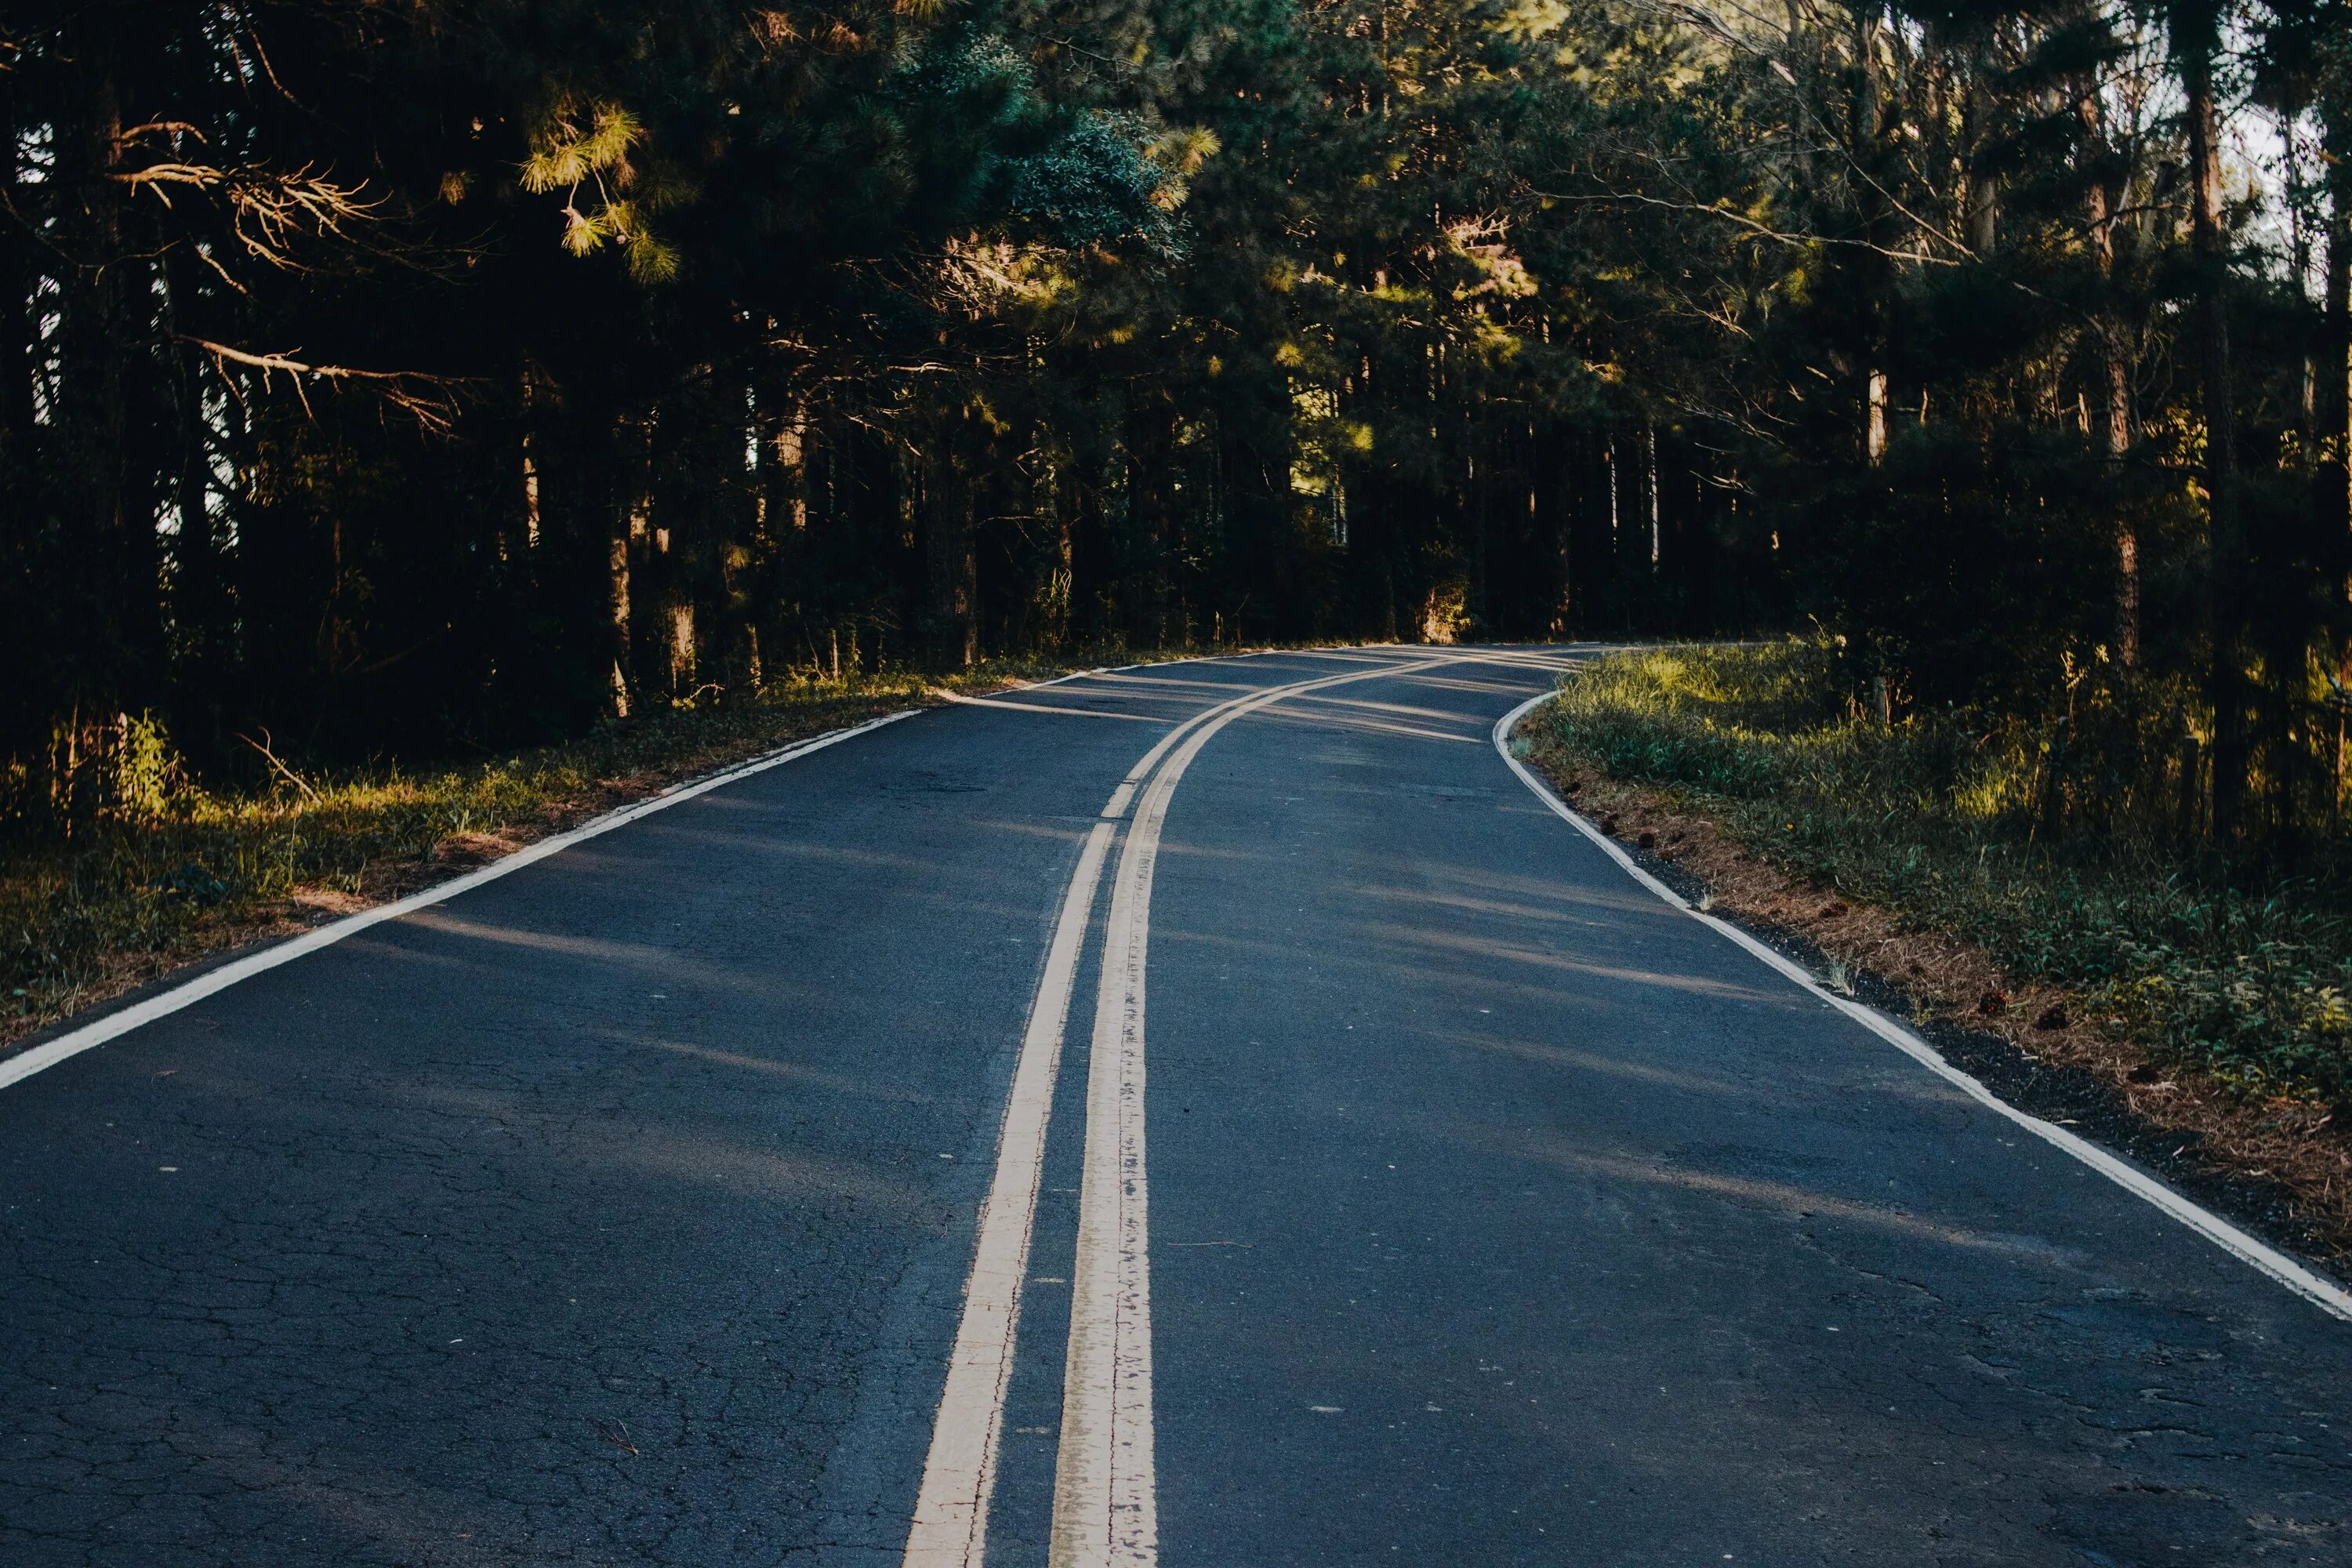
[(146, 868), (408, 383), (2068, 847), (406, 379)]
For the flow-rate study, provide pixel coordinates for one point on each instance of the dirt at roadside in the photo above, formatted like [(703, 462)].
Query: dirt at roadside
[(2283, 1168)]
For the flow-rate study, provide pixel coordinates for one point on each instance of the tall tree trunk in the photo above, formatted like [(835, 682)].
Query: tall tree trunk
[(2115, 404), (15, 286), (2332, 398), (2116, 425), (1151, 458), (2331, 412), (1862, 135), (26, 578), (1563, 532), (115, 624), (2196, 42), (1478, 609), (202, 611), (632, 534), (951, 549), (527, 452)]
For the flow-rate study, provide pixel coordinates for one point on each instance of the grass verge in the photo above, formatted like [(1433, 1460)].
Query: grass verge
[(1919, 853), (128, 901)]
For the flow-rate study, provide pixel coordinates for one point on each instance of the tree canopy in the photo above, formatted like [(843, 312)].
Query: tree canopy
[(435, 374)]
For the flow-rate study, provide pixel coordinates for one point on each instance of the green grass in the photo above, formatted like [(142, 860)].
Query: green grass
[(132, 896), (2050, 852)]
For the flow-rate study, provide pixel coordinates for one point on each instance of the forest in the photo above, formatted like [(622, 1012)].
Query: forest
[(414, 378)]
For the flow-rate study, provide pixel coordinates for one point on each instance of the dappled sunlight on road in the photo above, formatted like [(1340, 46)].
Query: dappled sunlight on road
[(600, 949), (745, 1169), (768, 842), (1571, 1060), (1346, 724), (1525, 892), (619, 1140), (670, 965), (1597, 1004), (1785, 1198), (1468, 684), (1500, 909), (1195, 851), (962, 701), (1162, 685), (1699, 985), (1397, 968), (1068, 830), (1395, 710), (773, 1067)]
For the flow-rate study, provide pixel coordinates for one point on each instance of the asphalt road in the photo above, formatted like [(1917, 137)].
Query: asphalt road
[(1408, 1185)]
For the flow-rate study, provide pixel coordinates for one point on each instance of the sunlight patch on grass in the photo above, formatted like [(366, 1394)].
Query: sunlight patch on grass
[(2055, 854)]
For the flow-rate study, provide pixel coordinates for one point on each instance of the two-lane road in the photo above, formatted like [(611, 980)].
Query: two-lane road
[(1212, 1114)]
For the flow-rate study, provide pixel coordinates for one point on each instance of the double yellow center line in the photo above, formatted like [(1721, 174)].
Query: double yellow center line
[(1104, 1493)]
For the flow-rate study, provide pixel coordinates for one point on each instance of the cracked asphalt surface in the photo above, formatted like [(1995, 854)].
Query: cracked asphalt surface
[(617, 1211)]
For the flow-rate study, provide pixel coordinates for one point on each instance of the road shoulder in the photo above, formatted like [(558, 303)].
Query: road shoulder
[(2277, 1170)]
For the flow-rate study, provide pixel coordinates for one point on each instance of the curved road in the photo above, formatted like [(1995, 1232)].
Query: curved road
[(1209, 1113)]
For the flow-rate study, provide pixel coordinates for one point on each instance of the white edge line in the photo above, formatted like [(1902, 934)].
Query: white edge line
[(2321, 1292), (49, 1053)]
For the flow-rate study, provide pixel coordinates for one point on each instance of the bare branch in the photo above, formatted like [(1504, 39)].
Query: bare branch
[(159, 128), (1761, 230), (289, 775), (269, 210), (427, 398)]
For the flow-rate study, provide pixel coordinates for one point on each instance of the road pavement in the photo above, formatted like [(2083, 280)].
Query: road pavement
[(1213, 1113)]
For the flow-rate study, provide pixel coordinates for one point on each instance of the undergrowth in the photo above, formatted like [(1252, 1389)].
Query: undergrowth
[(192, 869), (2066, 870)]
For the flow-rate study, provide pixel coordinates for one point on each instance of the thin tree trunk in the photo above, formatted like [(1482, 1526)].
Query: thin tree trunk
[(1656, 541), (1863, 133), (633, 527), (201, 610), (2115, 421), (15, 286), (92, 426), (1151, 453), (2332, 398), (2225, 608), (951, 549), (2331, 411), (1563, 526), (529, 462), (2114, 412)]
